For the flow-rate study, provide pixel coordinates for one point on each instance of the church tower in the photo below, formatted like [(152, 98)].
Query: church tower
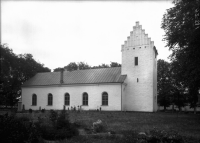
[(139, 63)]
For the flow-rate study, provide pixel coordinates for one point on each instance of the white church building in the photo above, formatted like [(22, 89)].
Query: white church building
[(131, 87)]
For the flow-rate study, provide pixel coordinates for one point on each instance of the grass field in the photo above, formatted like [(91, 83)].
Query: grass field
[(120, 122), (185, 124)]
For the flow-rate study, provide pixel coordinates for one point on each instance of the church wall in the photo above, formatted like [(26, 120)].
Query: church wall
[(94, 94), (155, 85), (141, 86)]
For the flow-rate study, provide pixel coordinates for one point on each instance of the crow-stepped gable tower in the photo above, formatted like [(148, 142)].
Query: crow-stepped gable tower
[(139, 63)]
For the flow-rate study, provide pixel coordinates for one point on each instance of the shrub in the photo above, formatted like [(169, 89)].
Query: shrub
[(53, 116), (43, 110), (14, 129), (57, 128), (154, 136), (30, 110), (99, 128)]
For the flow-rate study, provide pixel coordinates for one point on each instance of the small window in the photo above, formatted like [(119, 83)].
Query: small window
[(34, 100), (67, 99), (50, 99), (136, 61), (137, 80), (105, 98), (85, 98)]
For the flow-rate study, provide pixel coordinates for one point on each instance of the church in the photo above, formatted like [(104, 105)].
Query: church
[(131, 87)]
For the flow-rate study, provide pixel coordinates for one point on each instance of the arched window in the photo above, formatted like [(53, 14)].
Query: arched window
[(104, 98), (50, 99), (67, 99), (34, 100), (85, 98)]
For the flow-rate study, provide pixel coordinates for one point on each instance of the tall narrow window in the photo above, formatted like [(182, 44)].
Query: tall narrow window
[(34, 100), (67, 99), (105, 98), (136, 61), (50, 99), (85, 98)]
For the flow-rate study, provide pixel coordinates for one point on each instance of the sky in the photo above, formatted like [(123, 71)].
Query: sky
[(59, 32)]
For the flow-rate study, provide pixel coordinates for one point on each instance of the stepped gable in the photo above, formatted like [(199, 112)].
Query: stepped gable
[(137, 38)]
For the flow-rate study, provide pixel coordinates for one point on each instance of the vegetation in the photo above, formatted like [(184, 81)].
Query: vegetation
[(81, 66), (15, 70), (164, 83), (20, 130), (116, 127), (182, 32), (56, 127)]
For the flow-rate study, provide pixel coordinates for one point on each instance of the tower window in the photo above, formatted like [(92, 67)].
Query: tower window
[(136, 61), (137, 80)]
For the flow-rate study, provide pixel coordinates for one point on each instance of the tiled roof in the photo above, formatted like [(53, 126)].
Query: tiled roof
[(89, 76)]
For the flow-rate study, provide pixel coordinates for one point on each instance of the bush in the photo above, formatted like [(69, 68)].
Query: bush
[(57, 128), (154, 136), (53, 116), (99, 128), (14, 129), (43, 110), (30, 110)]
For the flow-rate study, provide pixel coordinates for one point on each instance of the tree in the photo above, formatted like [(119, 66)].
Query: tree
[(115, 64), (71, 66), (57, 69), (83, 66), (182, 33), (15, 70), (164, 84), (100, 66)]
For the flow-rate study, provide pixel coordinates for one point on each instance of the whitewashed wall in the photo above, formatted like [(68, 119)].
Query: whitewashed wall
[(141, 95), (94, 94)]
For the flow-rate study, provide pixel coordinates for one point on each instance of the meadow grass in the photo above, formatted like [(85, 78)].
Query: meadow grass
[(187, 125)]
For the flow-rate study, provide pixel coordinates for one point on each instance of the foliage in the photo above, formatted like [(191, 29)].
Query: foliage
[(20, 130), (57, 69), (71, 66), (15, 70), (43, 110), (57, 128), (115, 64), (99, 128), (154, 136), (182, 37), (82, 66), (53, 116), (164, 83), (30, 110)]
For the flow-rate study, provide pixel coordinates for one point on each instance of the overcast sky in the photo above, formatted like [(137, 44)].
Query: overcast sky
[(59, 32)]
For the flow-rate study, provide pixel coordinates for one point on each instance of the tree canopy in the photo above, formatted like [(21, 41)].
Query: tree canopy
[(82, 66), (164, 83), (15, 70), (182, 33)]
